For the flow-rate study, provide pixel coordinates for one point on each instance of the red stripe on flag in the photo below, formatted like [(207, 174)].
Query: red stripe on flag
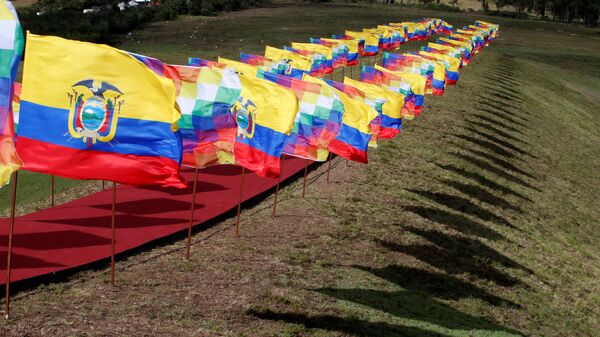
[(91, 165)]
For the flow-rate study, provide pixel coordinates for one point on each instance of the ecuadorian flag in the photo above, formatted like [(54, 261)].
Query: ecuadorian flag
[(90, 111), (452, 65), (371, 42), (352, 141), (263, 124), (391, 117)]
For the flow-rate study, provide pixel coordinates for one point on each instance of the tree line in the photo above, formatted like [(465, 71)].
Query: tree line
[(66, 18)]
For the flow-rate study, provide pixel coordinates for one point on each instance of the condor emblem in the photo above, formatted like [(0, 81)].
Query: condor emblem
[(244, 112), (94, 111)]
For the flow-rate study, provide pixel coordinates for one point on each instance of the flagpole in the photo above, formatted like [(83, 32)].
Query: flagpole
[(329, 165), (239, 208), (10, 240), (305, 174), (193, 208), (113, 243), (277, 188), (103, 186), (52, 187)]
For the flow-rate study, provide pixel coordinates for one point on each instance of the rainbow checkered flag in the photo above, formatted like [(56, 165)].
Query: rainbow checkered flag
[(11, 48), (318, 120), (208, 128)]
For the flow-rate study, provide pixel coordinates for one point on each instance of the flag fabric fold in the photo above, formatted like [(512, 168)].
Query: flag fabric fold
[(106, 116), (391, 117), (352, 140), (11, 48), (318, 119), (207, 126), (263, 124)]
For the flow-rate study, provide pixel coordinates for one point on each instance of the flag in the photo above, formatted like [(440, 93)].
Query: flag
[(465, 45), (374, 103), (412, 86), (391, 117), (318, 61), (318, 118), (327, 52), (198, 62), (11, 48), (239, 67), (435, 70), (105, 116), (264, 114), (397, 35), (281, 67), (207, 126), (339, 49), (454, 51), (352, 141), (255, 60), (371, 44), (296, 64), (452, 65), (356, 47)]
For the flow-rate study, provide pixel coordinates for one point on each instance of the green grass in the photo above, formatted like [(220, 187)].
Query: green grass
[(480, 219)]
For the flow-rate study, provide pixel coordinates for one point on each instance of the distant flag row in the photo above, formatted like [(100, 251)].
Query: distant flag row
[(135, 120)]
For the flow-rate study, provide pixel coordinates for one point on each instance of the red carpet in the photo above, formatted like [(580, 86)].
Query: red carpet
[(78, 233)]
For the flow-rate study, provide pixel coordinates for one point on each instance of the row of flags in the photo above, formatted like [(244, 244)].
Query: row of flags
[(90, 111)]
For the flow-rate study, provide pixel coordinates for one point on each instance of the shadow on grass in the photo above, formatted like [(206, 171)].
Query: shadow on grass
[(498, 171), (483, 181), (457, 222), (462, 205), (435, 284), (505, 79), (495, 130), (505, 117), (478, 193), (499, 104), (350, 326), (498, 123), (489, 146), (505, 97), (414, 305), (454, 259), (490, 85), (504, 91), (500, 142)]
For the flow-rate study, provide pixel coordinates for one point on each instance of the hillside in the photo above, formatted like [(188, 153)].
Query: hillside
[(480, 219)]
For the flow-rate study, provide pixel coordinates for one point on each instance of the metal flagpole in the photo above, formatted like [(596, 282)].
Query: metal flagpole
[(103, 185), (305, 174), (193, 208), (113, 222), (52, 184), (10, 240), (237, 221), (329, 165), (277, 188)]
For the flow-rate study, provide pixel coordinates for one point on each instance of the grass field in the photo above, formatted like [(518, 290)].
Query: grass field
[(480, 219)]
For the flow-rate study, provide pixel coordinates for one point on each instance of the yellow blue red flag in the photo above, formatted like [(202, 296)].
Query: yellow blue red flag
[(91, 111), (391, 117), (264, 113)]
